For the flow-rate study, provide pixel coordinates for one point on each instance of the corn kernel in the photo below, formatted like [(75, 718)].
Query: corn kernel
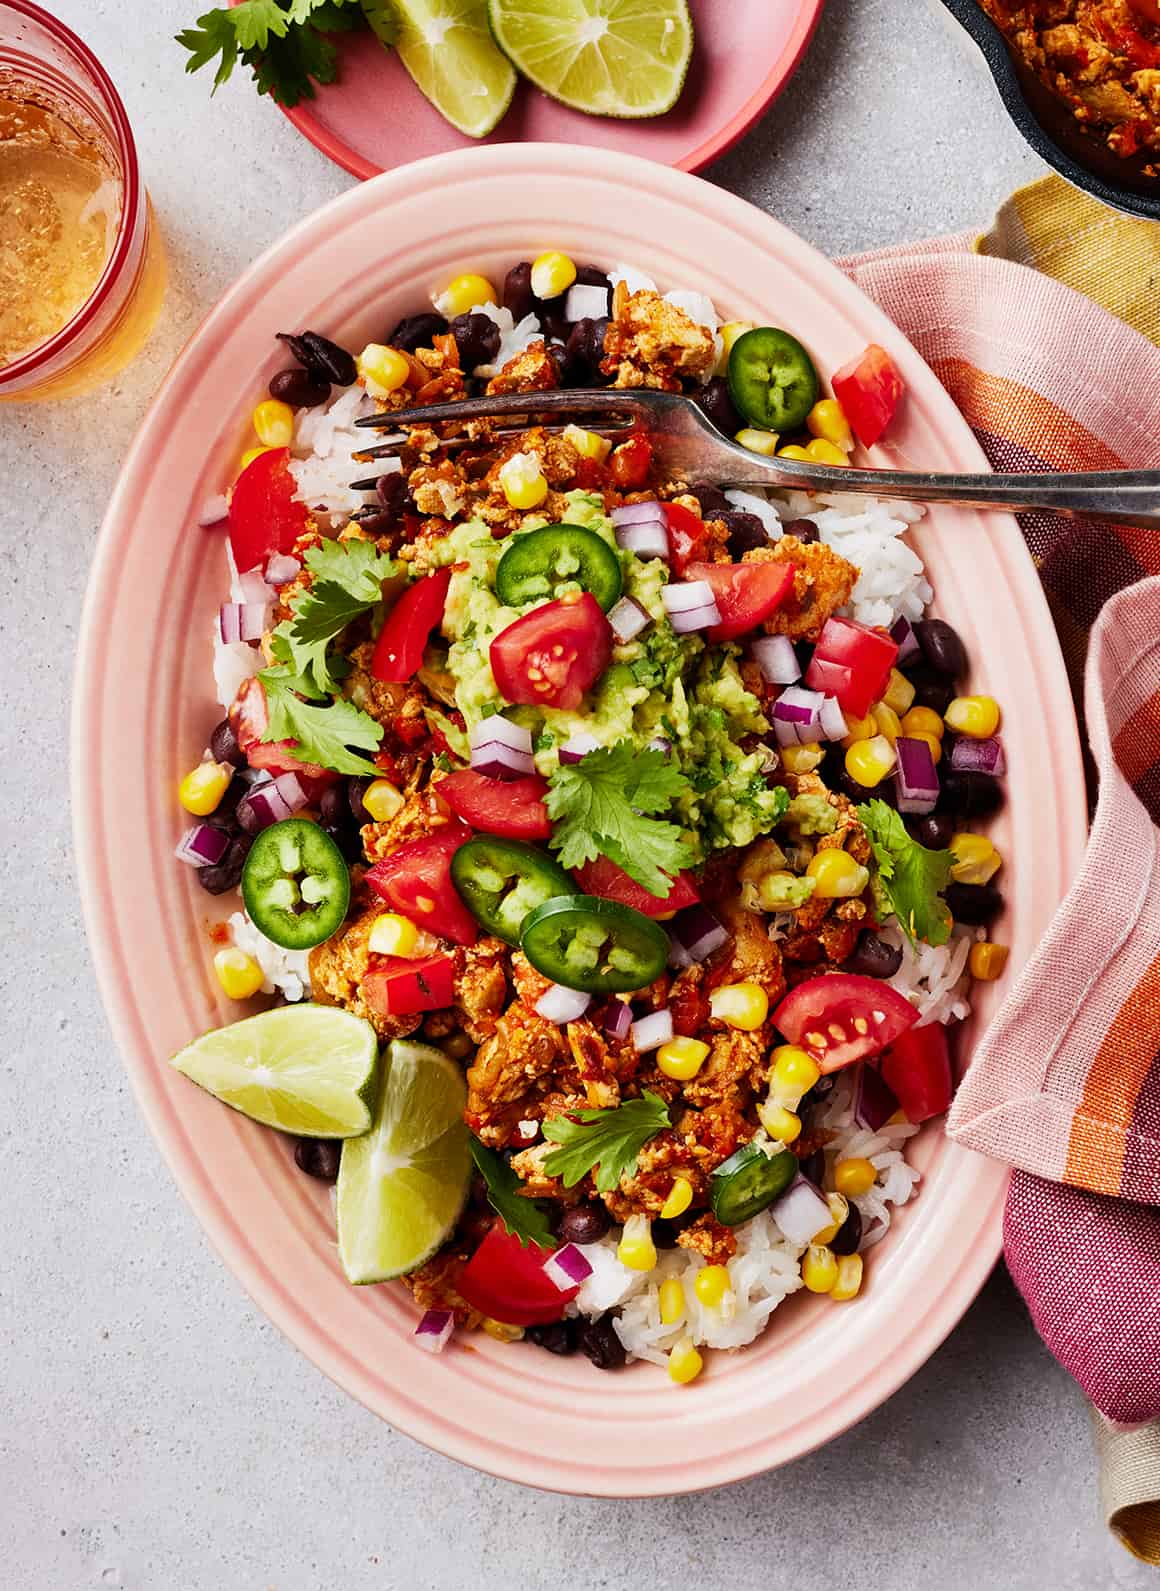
[(801, 759), (711, 1283), (250, 455), (763, 442), (836, 875), (827, 419), (923, 721), (682, 1058), (839, 1209), (679, 1199), (203, 787), (899, 693), (383, 369), (274, 423), (887, 722), (819, 1268), (730, 332), (976, 861), (869, 761), (859, 729), (977, 716), (463, 293), (987, 960), (671, 1299), (823, 452), (781, 1124), (636, 1248), (382, 800), (501, 1330), (849, 1281), (589, 444), (855, 1176), (740, 1005), (239, 975), (793, 1073), (772, 888), (932, 741), (392, 935), (523, 481), (685, 1363), (793, 451), (552, 274)]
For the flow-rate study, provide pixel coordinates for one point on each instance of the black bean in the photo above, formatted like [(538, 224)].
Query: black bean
[(873, 957), (318, 1157), (813, 1167), (584, 350), (558, 1336), (329, 360), (848, 1236), (858, 793), (355, 787), (803, 529), (297, 347), (583, 1223), (517, 290), (934, 830), (665, 1233), (333, 806), (969, 794), (931, 689), (599, 1341), (557, 326), (712, 500), (942, 647), (223, 745), (224, 815), (299, 388), (373, 519), (226, 874), (745, 531), (417, 331), (974, 904), (477, 339), (346, 838), (391, 491), (713, 399)]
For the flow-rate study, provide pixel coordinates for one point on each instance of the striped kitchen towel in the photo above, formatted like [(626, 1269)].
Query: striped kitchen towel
[(1046, 333)]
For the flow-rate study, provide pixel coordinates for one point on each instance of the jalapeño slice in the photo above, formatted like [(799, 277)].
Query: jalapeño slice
[(501, 881), (748, 1182), (295, 884), (772, 379), (595, 945), (537, 564)]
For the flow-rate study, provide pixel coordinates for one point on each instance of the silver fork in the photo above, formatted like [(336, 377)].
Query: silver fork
[(688, 446)]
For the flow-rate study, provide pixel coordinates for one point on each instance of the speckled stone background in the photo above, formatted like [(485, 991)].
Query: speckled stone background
[(155, 1432)]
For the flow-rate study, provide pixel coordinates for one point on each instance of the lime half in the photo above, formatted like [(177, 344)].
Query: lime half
[(402, 1186), (306, 1069), (448, 49), (606, 57)]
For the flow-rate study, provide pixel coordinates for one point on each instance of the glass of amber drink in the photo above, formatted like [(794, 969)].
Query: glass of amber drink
[(82, 272)]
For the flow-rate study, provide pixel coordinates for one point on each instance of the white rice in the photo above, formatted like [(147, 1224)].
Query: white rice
[(325, 442), (885, 1149), (933, 977), (514, 336), (287, 972)]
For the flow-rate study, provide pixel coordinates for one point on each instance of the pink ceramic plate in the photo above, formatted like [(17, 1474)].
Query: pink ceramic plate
[(142, 712), (374, 118)]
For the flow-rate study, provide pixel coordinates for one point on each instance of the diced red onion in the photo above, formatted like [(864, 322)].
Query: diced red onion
[(203, 845), (559, 1004), (627, 619), (433, 1332), (650, 1032), (797, 706), (698, 932), (614, 1018), (776, 658), (832, 719), (915, 778), (785, 733), (281, 569), (649, 539), (273, 802), (801, 1211), (585, 302), (498, 730), (904, 638), (679, 957), (568, 1268), (253, 587), (687, 594), (874, 1100), (648, 513), (213, 511), (660, 743), (979, 756), (242, 621), (693, 619), (577, 747), (501, 749)]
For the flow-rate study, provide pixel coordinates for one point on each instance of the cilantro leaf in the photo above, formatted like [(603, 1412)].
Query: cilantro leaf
[(349, 581), (357, 566), (524, 1218), (911, 877), (601, 806), (610, 1139), (322, 734), (281, 41)]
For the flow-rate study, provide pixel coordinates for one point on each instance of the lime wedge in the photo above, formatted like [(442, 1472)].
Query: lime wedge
[(402, 1186), (448, 49), (606, 57), (306, 1069)]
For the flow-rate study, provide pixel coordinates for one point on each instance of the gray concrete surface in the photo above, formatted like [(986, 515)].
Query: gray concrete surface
[(156, 1433)]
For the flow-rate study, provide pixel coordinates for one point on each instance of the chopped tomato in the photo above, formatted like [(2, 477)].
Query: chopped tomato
[(605, 879), (687, 537), (917, 1067), (590, 475), (746, 593), (867, 654), (630, 464), (250, 719), (843, 1018), (403, 638), (264, 516), (506, 1281), (396, 986), (511, 807), (416, 880), (869, 389), (689, 1009), (551, 656)]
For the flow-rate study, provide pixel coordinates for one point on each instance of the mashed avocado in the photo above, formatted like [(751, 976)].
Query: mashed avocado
[(812, 814)]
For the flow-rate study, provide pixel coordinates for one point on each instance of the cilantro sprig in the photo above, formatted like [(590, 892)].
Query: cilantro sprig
[(323, 734), (523, 1217), (604, 805), (608, 1141), (348, 582), (912, 877), (283, 42)]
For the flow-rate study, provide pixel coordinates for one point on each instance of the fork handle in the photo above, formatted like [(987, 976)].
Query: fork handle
[(1125, 497)]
